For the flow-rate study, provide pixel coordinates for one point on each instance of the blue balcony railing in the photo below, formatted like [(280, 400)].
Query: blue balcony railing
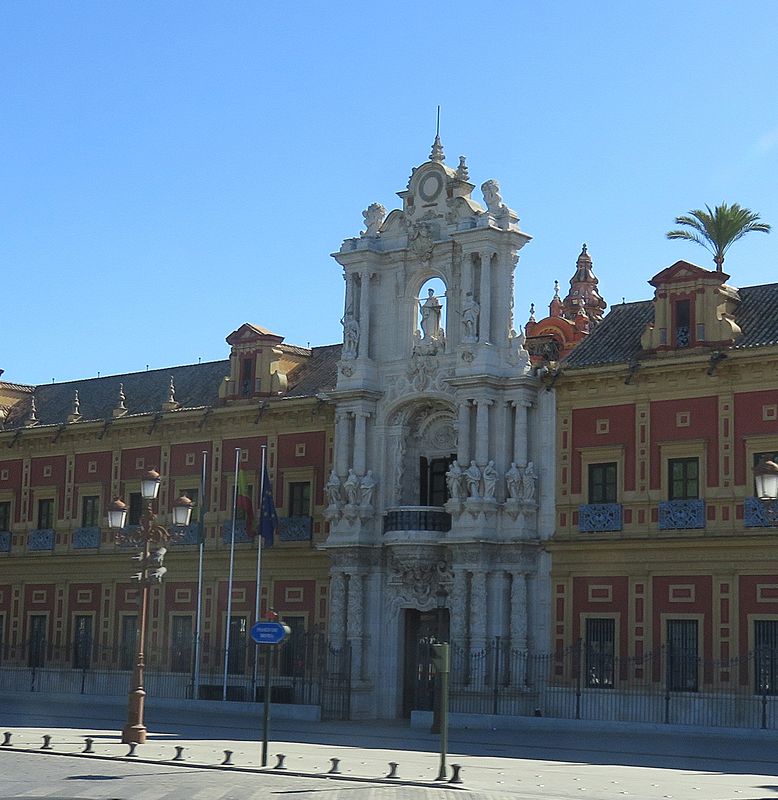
[(681, 515), (417, 518), (5, 541), (760, 513), (191, 534), (241, 534), (40, 539), (295, 529), (86, 538), (597, 517)]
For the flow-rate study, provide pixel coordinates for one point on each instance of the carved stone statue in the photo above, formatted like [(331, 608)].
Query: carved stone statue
[(455, 481), (350, 337), (332, 489), (473, 478), (351, 487), (513, 482), (529, 480), (430, 316), (374, 216), (470, 312), (490, 481), (366, 487), (492, 196), (518, 356)]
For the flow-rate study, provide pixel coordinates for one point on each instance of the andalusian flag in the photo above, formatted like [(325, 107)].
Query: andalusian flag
[(243, 503)]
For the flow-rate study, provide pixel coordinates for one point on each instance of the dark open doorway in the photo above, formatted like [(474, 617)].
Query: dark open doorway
[(421, 629)]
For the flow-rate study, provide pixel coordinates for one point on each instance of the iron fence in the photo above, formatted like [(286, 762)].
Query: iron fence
[(305, 670), (582, 682)]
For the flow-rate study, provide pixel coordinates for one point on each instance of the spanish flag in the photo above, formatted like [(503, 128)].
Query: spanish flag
[(243, 503)]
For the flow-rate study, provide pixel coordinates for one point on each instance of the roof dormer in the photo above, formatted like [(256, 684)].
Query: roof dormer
[(693, 307)]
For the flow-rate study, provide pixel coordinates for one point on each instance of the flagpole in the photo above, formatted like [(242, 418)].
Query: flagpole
[(232, 572), (257, 599), (199, 616)]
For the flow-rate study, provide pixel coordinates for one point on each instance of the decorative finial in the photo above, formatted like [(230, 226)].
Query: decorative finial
[(120, 409), (556, 287), (75, 412), (437, 153), (583, 249), (462, 172), (171, 404), (531, 312), (32, 414)]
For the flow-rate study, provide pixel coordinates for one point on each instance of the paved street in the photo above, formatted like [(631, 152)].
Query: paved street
[(549, 761)]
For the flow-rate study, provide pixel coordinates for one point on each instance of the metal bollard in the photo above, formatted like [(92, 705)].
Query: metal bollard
[(280, 761), (393, 770), (46, 742), (455, 768), (179, 753), (132, 753), (6, 740), (227, 758), (335, 768), (89, 743)]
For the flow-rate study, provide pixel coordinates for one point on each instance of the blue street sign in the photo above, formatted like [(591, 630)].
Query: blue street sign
[(269, 632)]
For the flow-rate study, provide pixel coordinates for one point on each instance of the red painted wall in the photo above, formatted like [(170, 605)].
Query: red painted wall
[(749, 422), (621, 432)]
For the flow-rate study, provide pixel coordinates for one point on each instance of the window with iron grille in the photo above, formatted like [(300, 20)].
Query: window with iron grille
[(82, 641), (293, 653), (129, 641), (682, 656), (236, 658), (682, 323), (37, 640), (683, 478), (599, 652), (181, 641), (766, 655), (5, 516), (45, 514), (135, 508), (602, 483), (90, 511), (300, 499)]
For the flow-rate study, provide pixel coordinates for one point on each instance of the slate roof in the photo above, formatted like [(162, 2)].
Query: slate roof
[(197, 386), (616, 340)]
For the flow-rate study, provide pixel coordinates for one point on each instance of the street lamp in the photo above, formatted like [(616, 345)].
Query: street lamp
[(441, 635), (766, 479), (150, 537)]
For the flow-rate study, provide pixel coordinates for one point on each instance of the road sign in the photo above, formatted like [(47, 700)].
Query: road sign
[(269, 632)]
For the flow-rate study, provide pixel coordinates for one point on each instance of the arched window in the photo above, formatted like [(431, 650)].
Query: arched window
[(431, 313)]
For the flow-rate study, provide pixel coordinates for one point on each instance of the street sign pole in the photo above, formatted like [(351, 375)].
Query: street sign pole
[(441, 661), (268, 633)]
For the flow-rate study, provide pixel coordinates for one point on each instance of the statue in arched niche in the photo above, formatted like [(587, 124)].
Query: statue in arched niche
[(430, 316)]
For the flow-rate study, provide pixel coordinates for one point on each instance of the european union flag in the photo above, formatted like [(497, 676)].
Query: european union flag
[(268, 519)]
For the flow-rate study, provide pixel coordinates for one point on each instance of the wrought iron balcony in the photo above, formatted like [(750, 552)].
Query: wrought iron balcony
[(86, 538), (191, 534), (417, 518), (759, 513), (295, 529), (5, 541), (681, 515), (599, 517), (241, 534), (40, 539)]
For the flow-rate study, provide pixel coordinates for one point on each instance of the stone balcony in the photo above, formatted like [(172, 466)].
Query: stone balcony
[(422, 519)]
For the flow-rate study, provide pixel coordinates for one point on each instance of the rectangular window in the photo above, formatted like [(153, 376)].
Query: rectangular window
[(236, 658), (599, 652), (45, 514), (246, 377), (682, 657), (36, 643), (683, 478), (766, 656), (128, 642), (602, 483), (300, 499), (292, 655), (90, 511), (5, 516), (682, 323), (82, 641), (181, 642), (135, 508)]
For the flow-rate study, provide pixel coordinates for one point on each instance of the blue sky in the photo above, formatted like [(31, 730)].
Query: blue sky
[(171, 170)]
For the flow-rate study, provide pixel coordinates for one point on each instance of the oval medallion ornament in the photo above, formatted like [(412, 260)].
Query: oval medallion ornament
[(430, 186)]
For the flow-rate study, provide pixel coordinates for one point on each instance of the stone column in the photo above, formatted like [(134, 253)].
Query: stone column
[(520, 432), (458, 608), (360, 441), (341, 443), (355, 627), (519, 627), (478, 610), (364, 316), (485, 321), (337, 609), (504, 435), (482, 431), (463, 436)]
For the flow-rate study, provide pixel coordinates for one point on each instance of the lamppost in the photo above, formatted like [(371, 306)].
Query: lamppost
[(441, 635), (150, 537)]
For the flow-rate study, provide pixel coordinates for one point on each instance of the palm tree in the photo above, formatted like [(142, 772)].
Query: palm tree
[(718, 229)]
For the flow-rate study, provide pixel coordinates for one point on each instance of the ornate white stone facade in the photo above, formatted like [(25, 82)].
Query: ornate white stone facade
[(427, 378)]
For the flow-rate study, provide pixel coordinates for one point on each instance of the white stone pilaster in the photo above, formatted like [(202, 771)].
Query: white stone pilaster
[(520, 432), (337, 624), (355, 622), (463, 436), (458, 607), (341, 443), (485, 322), (478, 609), (364, 316), (482, 431), (360, 441)]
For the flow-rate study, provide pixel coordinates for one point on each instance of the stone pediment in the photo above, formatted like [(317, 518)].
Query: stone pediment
[(683, 272), (253, 333)]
